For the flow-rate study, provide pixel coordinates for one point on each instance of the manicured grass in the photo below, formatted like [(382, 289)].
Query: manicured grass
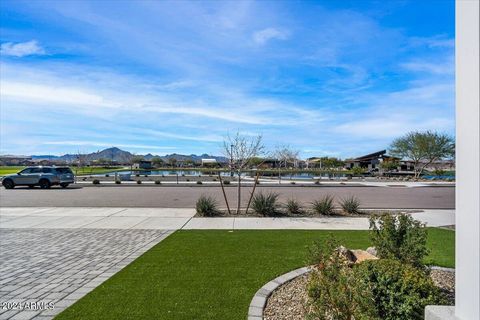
[(214, 274), (4, 170)]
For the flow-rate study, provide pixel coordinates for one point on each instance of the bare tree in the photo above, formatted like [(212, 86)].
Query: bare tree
[(241, 150), (283, 156), (81, 160)]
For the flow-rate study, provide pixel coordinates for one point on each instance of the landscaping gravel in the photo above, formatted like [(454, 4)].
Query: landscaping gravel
[(288, 301)]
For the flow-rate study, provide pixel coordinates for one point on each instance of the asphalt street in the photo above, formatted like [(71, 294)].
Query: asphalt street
[(186, 196)]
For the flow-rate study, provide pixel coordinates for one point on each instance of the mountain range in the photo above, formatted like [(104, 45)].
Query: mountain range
[(121, 156)]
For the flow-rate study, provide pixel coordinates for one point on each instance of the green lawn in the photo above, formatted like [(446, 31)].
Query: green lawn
[(214, 274), (9, 170)]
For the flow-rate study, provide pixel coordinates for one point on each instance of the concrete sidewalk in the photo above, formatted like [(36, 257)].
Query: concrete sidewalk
[(174, 219)]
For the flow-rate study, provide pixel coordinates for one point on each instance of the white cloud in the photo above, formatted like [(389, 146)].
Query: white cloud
[(21, 49), (265, 35), (435, 68)]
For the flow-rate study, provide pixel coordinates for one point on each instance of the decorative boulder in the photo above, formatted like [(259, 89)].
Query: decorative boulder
[(362, 255), (372, 251), (346, 254)]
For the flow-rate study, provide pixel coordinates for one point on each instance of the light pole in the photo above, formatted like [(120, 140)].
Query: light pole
[(231, 160)]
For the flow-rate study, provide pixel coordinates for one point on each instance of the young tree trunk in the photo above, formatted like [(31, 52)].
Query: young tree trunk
[(224, 194), (255, 182), (239, 188)]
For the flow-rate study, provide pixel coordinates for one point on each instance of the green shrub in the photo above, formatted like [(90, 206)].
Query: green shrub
[(158, 182), (96, 181), (400, 291), (293, 206), (118, 181), (139, 181), (265, 204), (107, 175), (206, 206), (226, 181), (199, 182), (350, 205), (334, 291), (317, 182), (357, 171), (399, 237), (188, 180), (324, 205), (292, 182)]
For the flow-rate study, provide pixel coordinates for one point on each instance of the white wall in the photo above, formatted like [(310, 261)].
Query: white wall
[(467, 301)]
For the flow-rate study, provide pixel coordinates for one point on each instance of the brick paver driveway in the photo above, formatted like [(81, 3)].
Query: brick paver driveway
[(45, 268)]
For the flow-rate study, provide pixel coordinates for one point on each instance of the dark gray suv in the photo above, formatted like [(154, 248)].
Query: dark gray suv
[(45, 177)]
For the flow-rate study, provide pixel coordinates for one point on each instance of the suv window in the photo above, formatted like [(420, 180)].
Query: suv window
[(36, 170), (26, 171), (46, 170), (64, 170)]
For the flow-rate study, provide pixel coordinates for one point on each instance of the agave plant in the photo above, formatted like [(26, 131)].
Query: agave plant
[(324, 205)]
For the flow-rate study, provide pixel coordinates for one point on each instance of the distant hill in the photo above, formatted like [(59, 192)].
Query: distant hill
[(120, 156)]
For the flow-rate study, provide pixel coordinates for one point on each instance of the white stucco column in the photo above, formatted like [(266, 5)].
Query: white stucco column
[(467, 260), (467, 202)]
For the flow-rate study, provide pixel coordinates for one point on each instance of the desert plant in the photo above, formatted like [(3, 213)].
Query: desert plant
[(188, 180), (265, 204), (293, 206), (399, 237), (107, 175), (324, 205), (399, 291), (226, 181), (292, 182), (118, 181), (158, 182), (317, 182), (96, 181), (206, 206), (139, 181), (334, 291), (199, 182), (146, 175), (350, 205)]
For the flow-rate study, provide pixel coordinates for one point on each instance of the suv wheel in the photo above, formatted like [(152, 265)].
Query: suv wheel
[(8, 184), (64, 185), (44, 184)]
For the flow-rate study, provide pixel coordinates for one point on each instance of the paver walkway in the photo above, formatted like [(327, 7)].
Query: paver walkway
[(56, 267)]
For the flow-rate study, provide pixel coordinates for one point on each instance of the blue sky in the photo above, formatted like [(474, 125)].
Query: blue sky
[(339, 78)]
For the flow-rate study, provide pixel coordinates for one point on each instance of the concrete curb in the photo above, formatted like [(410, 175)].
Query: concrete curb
[(257, 305)]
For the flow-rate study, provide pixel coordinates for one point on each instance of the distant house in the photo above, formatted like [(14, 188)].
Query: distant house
[(11, 160), (143, 164), (371, 161), (209, 162)]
